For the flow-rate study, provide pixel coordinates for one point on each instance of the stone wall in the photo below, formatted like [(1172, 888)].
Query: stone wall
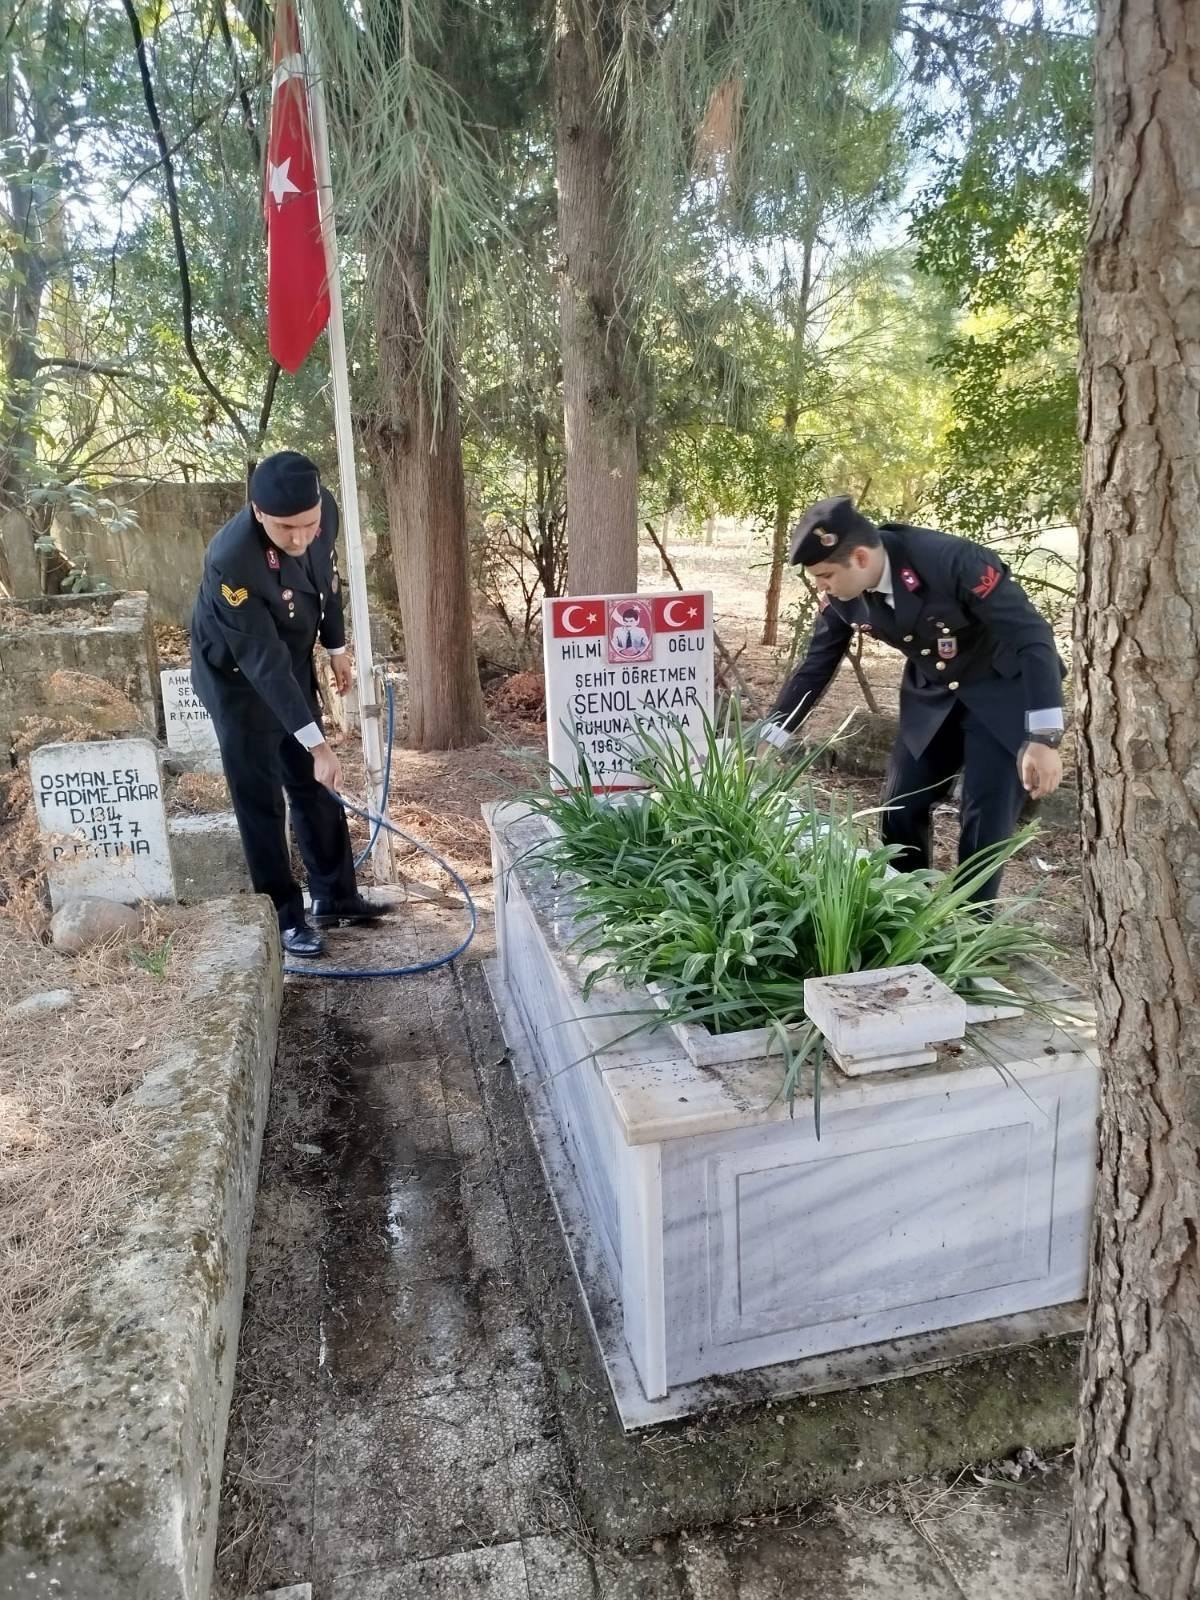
[(102, 637), (162, 552), (110, 1481)]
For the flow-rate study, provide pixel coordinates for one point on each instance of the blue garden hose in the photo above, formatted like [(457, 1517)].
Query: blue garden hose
[(309, 969)]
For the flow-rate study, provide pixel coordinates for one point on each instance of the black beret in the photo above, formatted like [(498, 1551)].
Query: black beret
[(285, 484), (825, 528)]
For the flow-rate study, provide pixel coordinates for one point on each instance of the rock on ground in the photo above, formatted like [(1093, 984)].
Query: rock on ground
[(89, 920), (44, 1004)]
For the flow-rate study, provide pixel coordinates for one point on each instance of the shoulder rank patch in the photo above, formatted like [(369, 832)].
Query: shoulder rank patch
[(989, 580), (234, 597)]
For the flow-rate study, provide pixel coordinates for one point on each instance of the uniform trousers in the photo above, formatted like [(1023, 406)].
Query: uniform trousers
[(992, 793), (262, 763)]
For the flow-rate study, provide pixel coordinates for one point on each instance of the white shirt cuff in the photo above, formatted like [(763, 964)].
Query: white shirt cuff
[(338, 650), (310, 736), (1049, 720), (771, 733)]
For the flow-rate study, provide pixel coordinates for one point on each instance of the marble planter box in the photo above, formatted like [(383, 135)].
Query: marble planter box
[(945, 1210)]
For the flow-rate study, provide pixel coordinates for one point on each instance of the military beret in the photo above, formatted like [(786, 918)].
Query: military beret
[(285, 484), (825, 528)]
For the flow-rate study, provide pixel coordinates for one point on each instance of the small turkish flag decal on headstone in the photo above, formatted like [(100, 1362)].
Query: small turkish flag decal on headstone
[(675, 612), (578, 619)]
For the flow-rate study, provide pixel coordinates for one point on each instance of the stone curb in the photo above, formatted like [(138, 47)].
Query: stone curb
[(109, 1490)]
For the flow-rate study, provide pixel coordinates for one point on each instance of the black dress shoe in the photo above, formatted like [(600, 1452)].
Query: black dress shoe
[(328, 913), (302, 941)]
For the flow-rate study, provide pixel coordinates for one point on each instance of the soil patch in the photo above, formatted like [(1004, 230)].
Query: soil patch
[(37, 615), (194, 794), (173, 644)]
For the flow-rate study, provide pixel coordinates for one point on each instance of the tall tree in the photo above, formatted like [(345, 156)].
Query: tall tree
[(36, 118), (1137, 1503), (419, 98), (1001, 227), (662, 108), (598, 361)]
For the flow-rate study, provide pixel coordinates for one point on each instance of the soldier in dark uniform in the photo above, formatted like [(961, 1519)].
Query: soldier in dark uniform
[(982, 690), (270, 590)]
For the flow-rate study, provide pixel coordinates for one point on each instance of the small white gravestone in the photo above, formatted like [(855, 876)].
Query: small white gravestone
[(100, 808), (190, 729), (616, 664)]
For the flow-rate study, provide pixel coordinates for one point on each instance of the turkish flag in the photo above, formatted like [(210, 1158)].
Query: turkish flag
[(580, 619), (297, 275), (675, 612)]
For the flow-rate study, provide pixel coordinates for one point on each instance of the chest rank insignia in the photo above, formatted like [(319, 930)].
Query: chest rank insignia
[(947, 648), (909, 579), (234, 597)]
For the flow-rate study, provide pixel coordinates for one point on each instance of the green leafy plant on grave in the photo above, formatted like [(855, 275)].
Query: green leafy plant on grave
[(729, 882), (154, 961)]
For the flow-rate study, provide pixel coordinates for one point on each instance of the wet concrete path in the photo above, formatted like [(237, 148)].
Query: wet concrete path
[(394, 1431)]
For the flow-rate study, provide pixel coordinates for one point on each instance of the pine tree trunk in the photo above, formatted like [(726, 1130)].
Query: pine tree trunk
[(597, 352), (1136, 1529), (779, 541), (29, 198), (791, 416), (419, 459)]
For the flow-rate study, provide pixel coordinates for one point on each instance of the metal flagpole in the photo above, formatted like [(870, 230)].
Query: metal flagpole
[(368, 689)]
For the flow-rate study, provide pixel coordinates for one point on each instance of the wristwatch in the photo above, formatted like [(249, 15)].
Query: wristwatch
[(1050, 737)]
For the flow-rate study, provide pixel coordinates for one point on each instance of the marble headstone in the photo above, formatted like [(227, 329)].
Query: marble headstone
[(104, 823), (190, 730)]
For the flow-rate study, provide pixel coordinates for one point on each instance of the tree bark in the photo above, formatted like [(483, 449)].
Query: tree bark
[(598, 358), (419, 458), (1136, 1530), (779, 537), (30, 192), (791, 416)]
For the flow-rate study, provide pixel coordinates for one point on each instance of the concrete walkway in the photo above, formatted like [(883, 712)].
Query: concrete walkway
[(395, 1432)]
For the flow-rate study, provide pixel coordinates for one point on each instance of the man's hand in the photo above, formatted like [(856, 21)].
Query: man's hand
[(326, 766), (1041, 770), (342, 667)]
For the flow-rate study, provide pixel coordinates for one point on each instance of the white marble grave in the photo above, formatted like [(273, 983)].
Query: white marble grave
[(190, 729), (944, 1210), (100, 808)]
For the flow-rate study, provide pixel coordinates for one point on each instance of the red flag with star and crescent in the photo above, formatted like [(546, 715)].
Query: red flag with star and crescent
[(297, 277)]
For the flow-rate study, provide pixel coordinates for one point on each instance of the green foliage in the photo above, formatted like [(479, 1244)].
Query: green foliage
[(731, 883), (155, 960), (1001, 227)]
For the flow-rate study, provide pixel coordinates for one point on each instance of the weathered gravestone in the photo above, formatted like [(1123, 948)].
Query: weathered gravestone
[(190, 729), (100, 807)]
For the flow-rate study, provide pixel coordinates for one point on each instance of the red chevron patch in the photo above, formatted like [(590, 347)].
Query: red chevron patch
[(991, 577)]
